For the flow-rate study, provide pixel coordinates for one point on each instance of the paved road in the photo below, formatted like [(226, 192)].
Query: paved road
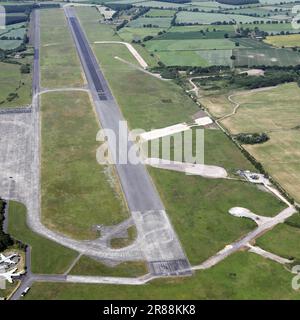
[(235, 246), (141, 195)]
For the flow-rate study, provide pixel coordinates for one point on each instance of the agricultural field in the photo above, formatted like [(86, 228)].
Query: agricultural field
[(205, 27), (12, 36), (203, 58), (265, 56), (291, 40), (193, 52), (228, 280), (160, 13), (275, 112), (191, 44), (14, 30), (80, 187), (137, 34), (155, 22), (60, 66), (209, 18), (10, 44), (194, 35)]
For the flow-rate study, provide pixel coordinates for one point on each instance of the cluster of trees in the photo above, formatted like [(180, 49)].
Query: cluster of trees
[(121, 25), (268, 80), (252, 138), (5, 239), (117, 6), (25, 68), (141, 11)]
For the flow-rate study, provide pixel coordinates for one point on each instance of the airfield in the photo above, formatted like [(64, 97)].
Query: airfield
[(171, 227)]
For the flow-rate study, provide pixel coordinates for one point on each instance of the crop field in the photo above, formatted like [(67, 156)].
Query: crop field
[(14, 30), (251, 43), (158, 4), (193, 35), (208, 18), (192, 52), (267, 57), (46, 256), (227, 279), (155, 22), (182, 58), (191, 44), (9, 44), (13, 81), (277, 27), (128, 34), (80, 187), (216, 57), (160, 13), (60, 66), (202, 58), (205, 27), (276, 112), (291, 40)]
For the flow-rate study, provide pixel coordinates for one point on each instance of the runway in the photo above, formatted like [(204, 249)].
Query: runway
[(141, 195)]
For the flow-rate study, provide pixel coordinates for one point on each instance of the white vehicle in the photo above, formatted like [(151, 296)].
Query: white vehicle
[(7, 259), (10, 274), (25, 292)]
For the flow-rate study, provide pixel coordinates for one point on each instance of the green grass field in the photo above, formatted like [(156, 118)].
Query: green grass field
[(13, 81), (81, 193), (267, 57), (192, 52), (241, 276), (282, 240), (128, 34), (90, 267), (224, 27), (9, 44), (180, 35), (160, 13), (60, 66), (209, 18), (206, 202), (192, 44), (47, 257), (156, 22), (182, 58)]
